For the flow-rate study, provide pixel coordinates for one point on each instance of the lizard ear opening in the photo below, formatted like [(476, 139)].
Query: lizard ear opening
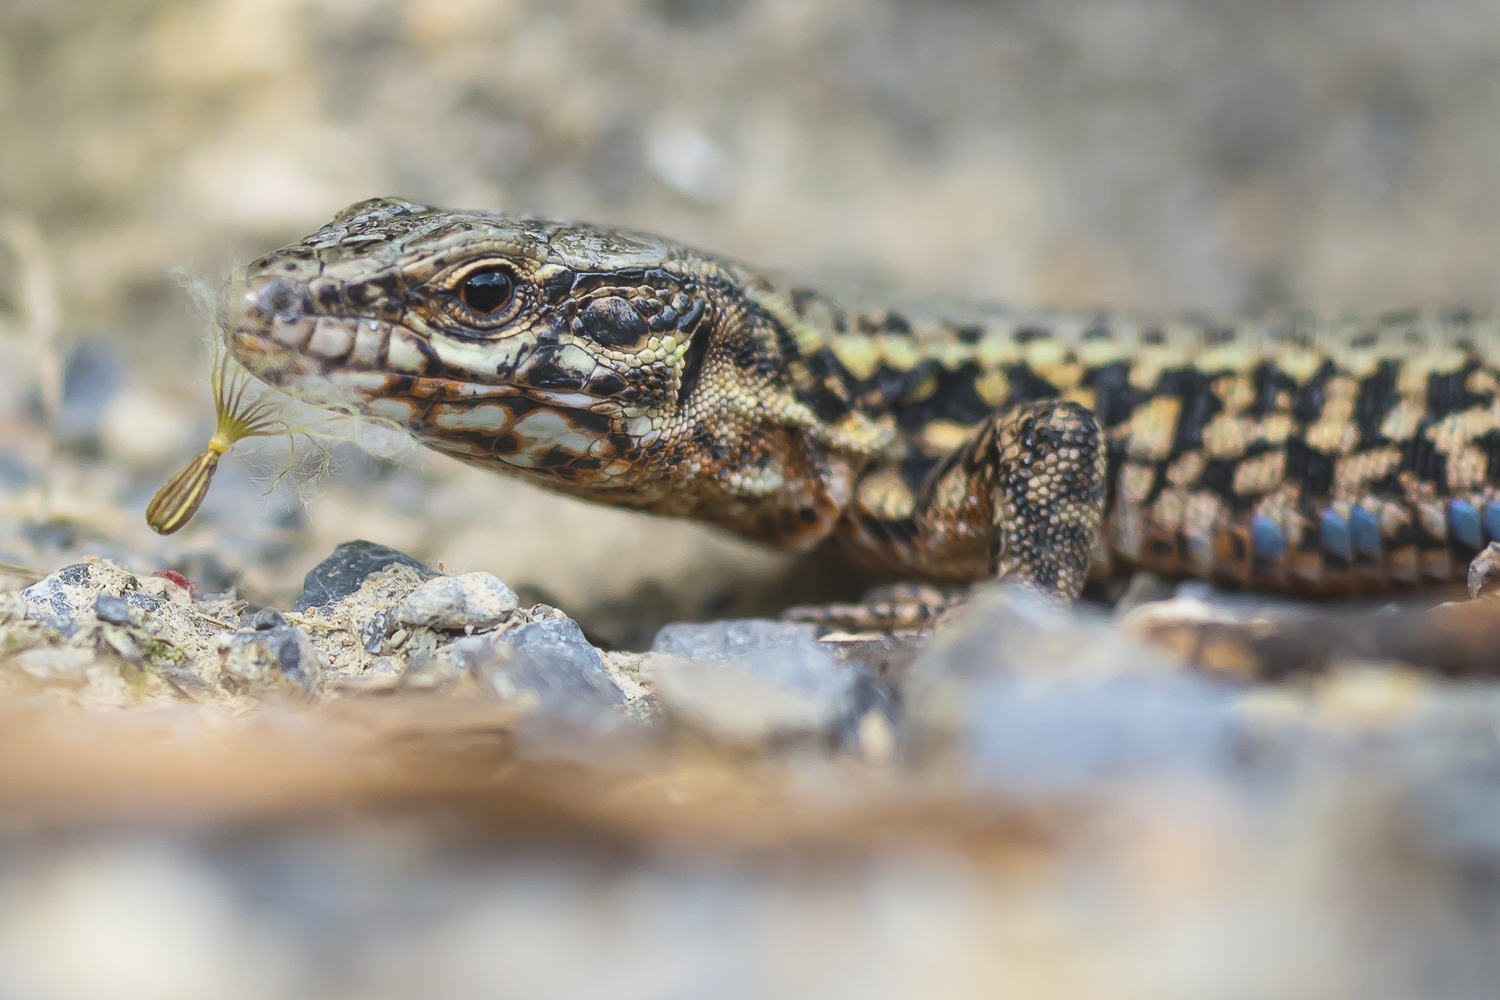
[(692, 363), (611, 321)]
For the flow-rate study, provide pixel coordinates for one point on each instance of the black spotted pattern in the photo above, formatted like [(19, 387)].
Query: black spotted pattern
[(1115, 398), (1026, 386), (1377, 397), (1308, 398), (1449, 393), (1420, 455), (953, 399), (1199, 404), (1313, 469)]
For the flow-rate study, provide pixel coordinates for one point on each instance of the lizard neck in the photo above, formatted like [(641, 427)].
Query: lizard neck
[(764, 433)]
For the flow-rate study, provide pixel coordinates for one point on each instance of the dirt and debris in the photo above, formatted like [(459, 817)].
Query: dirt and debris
[(1029, 759), (372, 620), (120, 639)]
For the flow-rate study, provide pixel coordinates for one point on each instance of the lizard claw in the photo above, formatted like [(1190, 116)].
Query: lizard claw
[(1484, 570)]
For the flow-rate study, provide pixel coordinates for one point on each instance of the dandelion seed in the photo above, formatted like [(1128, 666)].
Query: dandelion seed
[(240, 414), (179, 497)]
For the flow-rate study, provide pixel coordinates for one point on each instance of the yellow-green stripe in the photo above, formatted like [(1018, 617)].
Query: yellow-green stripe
[(179, 497)]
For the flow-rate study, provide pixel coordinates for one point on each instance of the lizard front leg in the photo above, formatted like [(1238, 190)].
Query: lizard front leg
[(1022, 500), (1046, 467)]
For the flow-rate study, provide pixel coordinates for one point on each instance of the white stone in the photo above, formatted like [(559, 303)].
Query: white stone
[(472, 600)]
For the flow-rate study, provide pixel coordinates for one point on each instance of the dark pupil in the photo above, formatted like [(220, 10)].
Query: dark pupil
[(486, 292)]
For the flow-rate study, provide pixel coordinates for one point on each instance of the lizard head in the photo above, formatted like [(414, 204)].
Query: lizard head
[(559, 350)]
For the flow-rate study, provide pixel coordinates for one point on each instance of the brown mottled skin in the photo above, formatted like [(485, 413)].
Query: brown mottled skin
[(1322, 457)]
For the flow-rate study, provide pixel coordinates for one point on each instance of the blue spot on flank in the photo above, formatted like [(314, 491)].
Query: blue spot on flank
[(1266, 540), (1463, 520), (1365, 528), (1335, 534), (1492, 520)]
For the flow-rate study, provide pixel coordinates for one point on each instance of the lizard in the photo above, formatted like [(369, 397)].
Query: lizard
[(1320, 456)]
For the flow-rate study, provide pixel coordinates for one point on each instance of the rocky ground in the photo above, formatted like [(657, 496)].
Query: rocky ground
[(514, 745), (408, 781)]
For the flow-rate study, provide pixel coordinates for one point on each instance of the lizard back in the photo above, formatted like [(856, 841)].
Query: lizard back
[(1288, 450)]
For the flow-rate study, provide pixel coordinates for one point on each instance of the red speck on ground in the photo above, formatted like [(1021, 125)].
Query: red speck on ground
[(177, 578)]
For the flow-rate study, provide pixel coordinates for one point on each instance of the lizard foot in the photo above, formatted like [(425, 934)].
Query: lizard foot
[(897, 608)]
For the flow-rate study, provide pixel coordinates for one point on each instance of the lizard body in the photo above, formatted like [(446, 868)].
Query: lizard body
[(1319, 456)]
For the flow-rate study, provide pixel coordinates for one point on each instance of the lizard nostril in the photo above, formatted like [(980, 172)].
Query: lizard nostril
[(279, 297), (259, 302)]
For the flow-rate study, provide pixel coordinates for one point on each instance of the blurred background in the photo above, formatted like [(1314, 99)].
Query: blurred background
[(1342, 154)]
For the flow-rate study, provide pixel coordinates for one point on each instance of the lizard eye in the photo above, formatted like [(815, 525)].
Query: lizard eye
[(486, 292)]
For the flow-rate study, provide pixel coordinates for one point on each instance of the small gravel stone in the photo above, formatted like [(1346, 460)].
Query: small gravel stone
[(1027, 694), (114, 610), (144, 601), (343, 572), (374, 629), (49, 602), (552, 659), (745, 682), (266, 619), (270, 655), (453, 603), (885, 656), (101, 589), (726, 640)]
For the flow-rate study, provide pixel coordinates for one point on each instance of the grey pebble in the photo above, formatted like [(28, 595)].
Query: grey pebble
[(345, 570), (114, 610), (550, 659), (146, 602), (271, 653), (748, 681), (266, 619), (48, 600), (373, 630), (1028, 694)]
